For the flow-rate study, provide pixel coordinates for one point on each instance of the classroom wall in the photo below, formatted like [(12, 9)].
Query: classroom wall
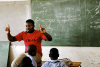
[(16, 15)]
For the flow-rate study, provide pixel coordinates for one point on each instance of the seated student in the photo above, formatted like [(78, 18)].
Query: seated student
[(26, 62), (54, 62), (32, 50)]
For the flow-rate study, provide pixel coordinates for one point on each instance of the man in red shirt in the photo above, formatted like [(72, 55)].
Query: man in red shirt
[(30, 36)]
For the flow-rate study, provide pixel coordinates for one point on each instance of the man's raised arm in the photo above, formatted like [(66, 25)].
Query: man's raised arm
[(48, 37), (10, 37)]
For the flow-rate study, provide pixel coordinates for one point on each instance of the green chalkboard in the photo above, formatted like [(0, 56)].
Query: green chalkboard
[(70, 22), (4, 52)]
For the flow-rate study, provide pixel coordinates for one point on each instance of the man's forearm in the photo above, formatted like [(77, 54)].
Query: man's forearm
[(11, 38), (48, 36)]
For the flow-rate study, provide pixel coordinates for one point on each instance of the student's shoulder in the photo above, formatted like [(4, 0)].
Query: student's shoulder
[(45, 64), (30, 56), (63, 64)]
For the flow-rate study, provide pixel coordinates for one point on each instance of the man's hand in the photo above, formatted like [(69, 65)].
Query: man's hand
[(7, 29), (48, 37), (42, 30)]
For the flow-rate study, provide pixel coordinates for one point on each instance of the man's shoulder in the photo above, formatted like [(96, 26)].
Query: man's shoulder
[(36, 31), (23, 32)]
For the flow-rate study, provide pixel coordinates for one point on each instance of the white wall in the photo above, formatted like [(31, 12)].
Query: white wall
[(16, 12)]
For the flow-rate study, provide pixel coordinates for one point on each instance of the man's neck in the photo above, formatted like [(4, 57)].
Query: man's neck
[(31, 32)]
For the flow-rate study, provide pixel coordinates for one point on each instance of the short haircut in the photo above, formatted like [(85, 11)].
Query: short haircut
[(31, 48), (30, 21), (54, 53), (26, 62)]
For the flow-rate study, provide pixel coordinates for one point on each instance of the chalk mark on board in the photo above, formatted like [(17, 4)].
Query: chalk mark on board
[(45, 4), (96, 9)]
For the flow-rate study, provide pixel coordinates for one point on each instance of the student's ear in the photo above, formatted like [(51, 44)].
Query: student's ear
[(58, 55), (49, 55)]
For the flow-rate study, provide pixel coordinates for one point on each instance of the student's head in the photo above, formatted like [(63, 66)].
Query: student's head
[(32, 50), (30, 25), (26, 62), (54, 54)]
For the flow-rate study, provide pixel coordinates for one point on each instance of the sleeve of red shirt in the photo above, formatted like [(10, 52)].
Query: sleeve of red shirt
[(19, 36), (43, 36)]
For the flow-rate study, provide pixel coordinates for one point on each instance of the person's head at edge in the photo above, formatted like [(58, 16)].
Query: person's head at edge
[(54, 54), (26, 62), (30, 25), (32, 50)]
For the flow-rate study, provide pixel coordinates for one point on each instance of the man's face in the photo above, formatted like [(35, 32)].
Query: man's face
[(29, 27)]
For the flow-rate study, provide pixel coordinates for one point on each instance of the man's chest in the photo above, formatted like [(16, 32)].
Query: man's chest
[(32, 38)]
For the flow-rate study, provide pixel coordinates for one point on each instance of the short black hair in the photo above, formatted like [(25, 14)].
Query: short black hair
[(30, 21), (54, 53), (31, 48), (26, 62)]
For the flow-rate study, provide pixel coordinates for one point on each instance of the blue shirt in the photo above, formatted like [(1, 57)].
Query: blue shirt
[(33, 60), (54, 63)]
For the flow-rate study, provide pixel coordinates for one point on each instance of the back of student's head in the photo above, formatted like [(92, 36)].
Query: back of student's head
[(54, 53), (32, 50), (26, 62)]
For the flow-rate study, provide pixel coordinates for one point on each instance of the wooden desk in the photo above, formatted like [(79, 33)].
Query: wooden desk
[(75, 64)]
